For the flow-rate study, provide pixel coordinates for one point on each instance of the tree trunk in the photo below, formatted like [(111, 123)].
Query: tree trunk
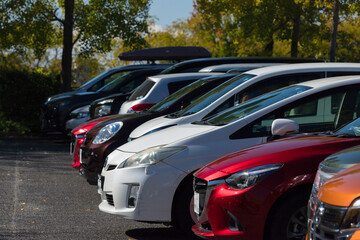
[(269, 48), (332, 52), (295, 37), (66, 61)]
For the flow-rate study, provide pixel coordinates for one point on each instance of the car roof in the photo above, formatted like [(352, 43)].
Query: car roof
[(141, 66), (180, 76), (204, 62), (231, 66), (331, 81), (306, 67)]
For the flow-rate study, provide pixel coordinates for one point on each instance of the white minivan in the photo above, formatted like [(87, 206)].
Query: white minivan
[(243, 87), (150, 178)]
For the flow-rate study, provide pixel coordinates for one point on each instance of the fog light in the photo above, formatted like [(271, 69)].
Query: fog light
[(234, 224), (133, 195)]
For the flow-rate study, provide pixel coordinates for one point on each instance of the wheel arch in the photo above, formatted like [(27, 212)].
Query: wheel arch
[(303, 188)]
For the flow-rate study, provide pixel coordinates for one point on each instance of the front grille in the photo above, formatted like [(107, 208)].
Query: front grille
[(326, 221), (72, 144), (200, 187), (109, 199), (87, 140)]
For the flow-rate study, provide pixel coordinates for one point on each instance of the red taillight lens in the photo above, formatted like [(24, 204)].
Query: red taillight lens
[(141, 107)]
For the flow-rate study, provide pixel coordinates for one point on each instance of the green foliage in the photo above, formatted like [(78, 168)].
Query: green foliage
[(21, 96)]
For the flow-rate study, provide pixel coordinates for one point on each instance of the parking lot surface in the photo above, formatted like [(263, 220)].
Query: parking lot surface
[(43, 197)]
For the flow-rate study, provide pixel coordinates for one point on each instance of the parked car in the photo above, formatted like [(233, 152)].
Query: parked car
[(78, 137), (245, 86), (103, 138), (111, 104), (227, 190), (238, 67), (56, 112), (195, 65), (150, 178), (336, 214), (332, 165), (52, 120)]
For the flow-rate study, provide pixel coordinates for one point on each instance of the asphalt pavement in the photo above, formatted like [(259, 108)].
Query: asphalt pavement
[(43, 197)]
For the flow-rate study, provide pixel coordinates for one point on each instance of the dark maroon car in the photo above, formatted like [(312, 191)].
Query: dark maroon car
[(93, 155)]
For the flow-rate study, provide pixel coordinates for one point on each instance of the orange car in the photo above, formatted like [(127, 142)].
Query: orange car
[(337, 208)]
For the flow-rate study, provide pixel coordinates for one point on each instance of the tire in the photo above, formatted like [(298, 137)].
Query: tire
[(183, 216), (288, 220)]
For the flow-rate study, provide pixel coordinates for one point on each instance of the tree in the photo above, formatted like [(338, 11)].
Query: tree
[(91, 24)]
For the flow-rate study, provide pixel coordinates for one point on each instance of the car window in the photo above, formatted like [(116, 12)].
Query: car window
[(106, 80), (242, 110), (175, 86), (142, 90), (335, 74), (131, 85), (312, 115), (204, 100), (264, 86)]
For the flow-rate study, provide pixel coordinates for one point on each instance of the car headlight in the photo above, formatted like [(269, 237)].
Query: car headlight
[(151, 156), (249, 177), (352, 216), (107, 132), (102, 110), (81, 112)]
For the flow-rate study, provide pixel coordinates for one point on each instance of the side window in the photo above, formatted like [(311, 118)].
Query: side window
[(225, 105), (312, 114), (335, 74), (142, 90), (105, 81), (274, 83), (174, 86), (132, 84)]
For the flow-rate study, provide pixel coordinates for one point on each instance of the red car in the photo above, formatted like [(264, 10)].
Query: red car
[(78, 137), (262, 192)]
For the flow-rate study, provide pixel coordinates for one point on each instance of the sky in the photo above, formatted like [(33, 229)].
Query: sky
[(167, 11)]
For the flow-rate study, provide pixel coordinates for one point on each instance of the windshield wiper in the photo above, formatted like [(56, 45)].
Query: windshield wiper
[(203, 122), (346, 135), (188, 113), (172, 115), (220, 123)]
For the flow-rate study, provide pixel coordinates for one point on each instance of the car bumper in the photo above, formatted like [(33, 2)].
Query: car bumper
[(152, 187), (234, 214)]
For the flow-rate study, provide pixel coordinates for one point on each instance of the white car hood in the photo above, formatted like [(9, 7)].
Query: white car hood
[(164, 137), (153, 124)]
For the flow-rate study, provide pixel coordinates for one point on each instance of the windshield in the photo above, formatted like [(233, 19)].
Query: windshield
[(116, 82), (175, 96), (94, 80), (255, 104), (208, 98), (352, 128)]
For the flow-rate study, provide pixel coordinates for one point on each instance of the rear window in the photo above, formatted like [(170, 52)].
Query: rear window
[(142, 90)]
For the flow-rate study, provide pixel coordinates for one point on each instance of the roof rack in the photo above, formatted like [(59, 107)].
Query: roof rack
[(166, 53)]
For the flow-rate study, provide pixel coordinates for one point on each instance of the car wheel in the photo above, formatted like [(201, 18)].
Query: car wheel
[(288, 221), (183, 214)]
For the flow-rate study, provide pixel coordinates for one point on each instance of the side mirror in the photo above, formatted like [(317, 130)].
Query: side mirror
[(281, 127)]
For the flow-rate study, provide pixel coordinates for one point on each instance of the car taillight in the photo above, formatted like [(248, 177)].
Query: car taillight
[(140, 107)]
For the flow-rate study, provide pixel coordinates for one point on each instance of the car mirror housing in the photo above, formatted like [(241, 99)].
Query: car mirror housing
[(281, 127)]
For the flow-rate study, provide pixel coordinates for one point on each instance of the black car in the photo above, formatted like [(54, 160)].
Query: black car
[(93, 155), (56, 111), (195, 65)]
